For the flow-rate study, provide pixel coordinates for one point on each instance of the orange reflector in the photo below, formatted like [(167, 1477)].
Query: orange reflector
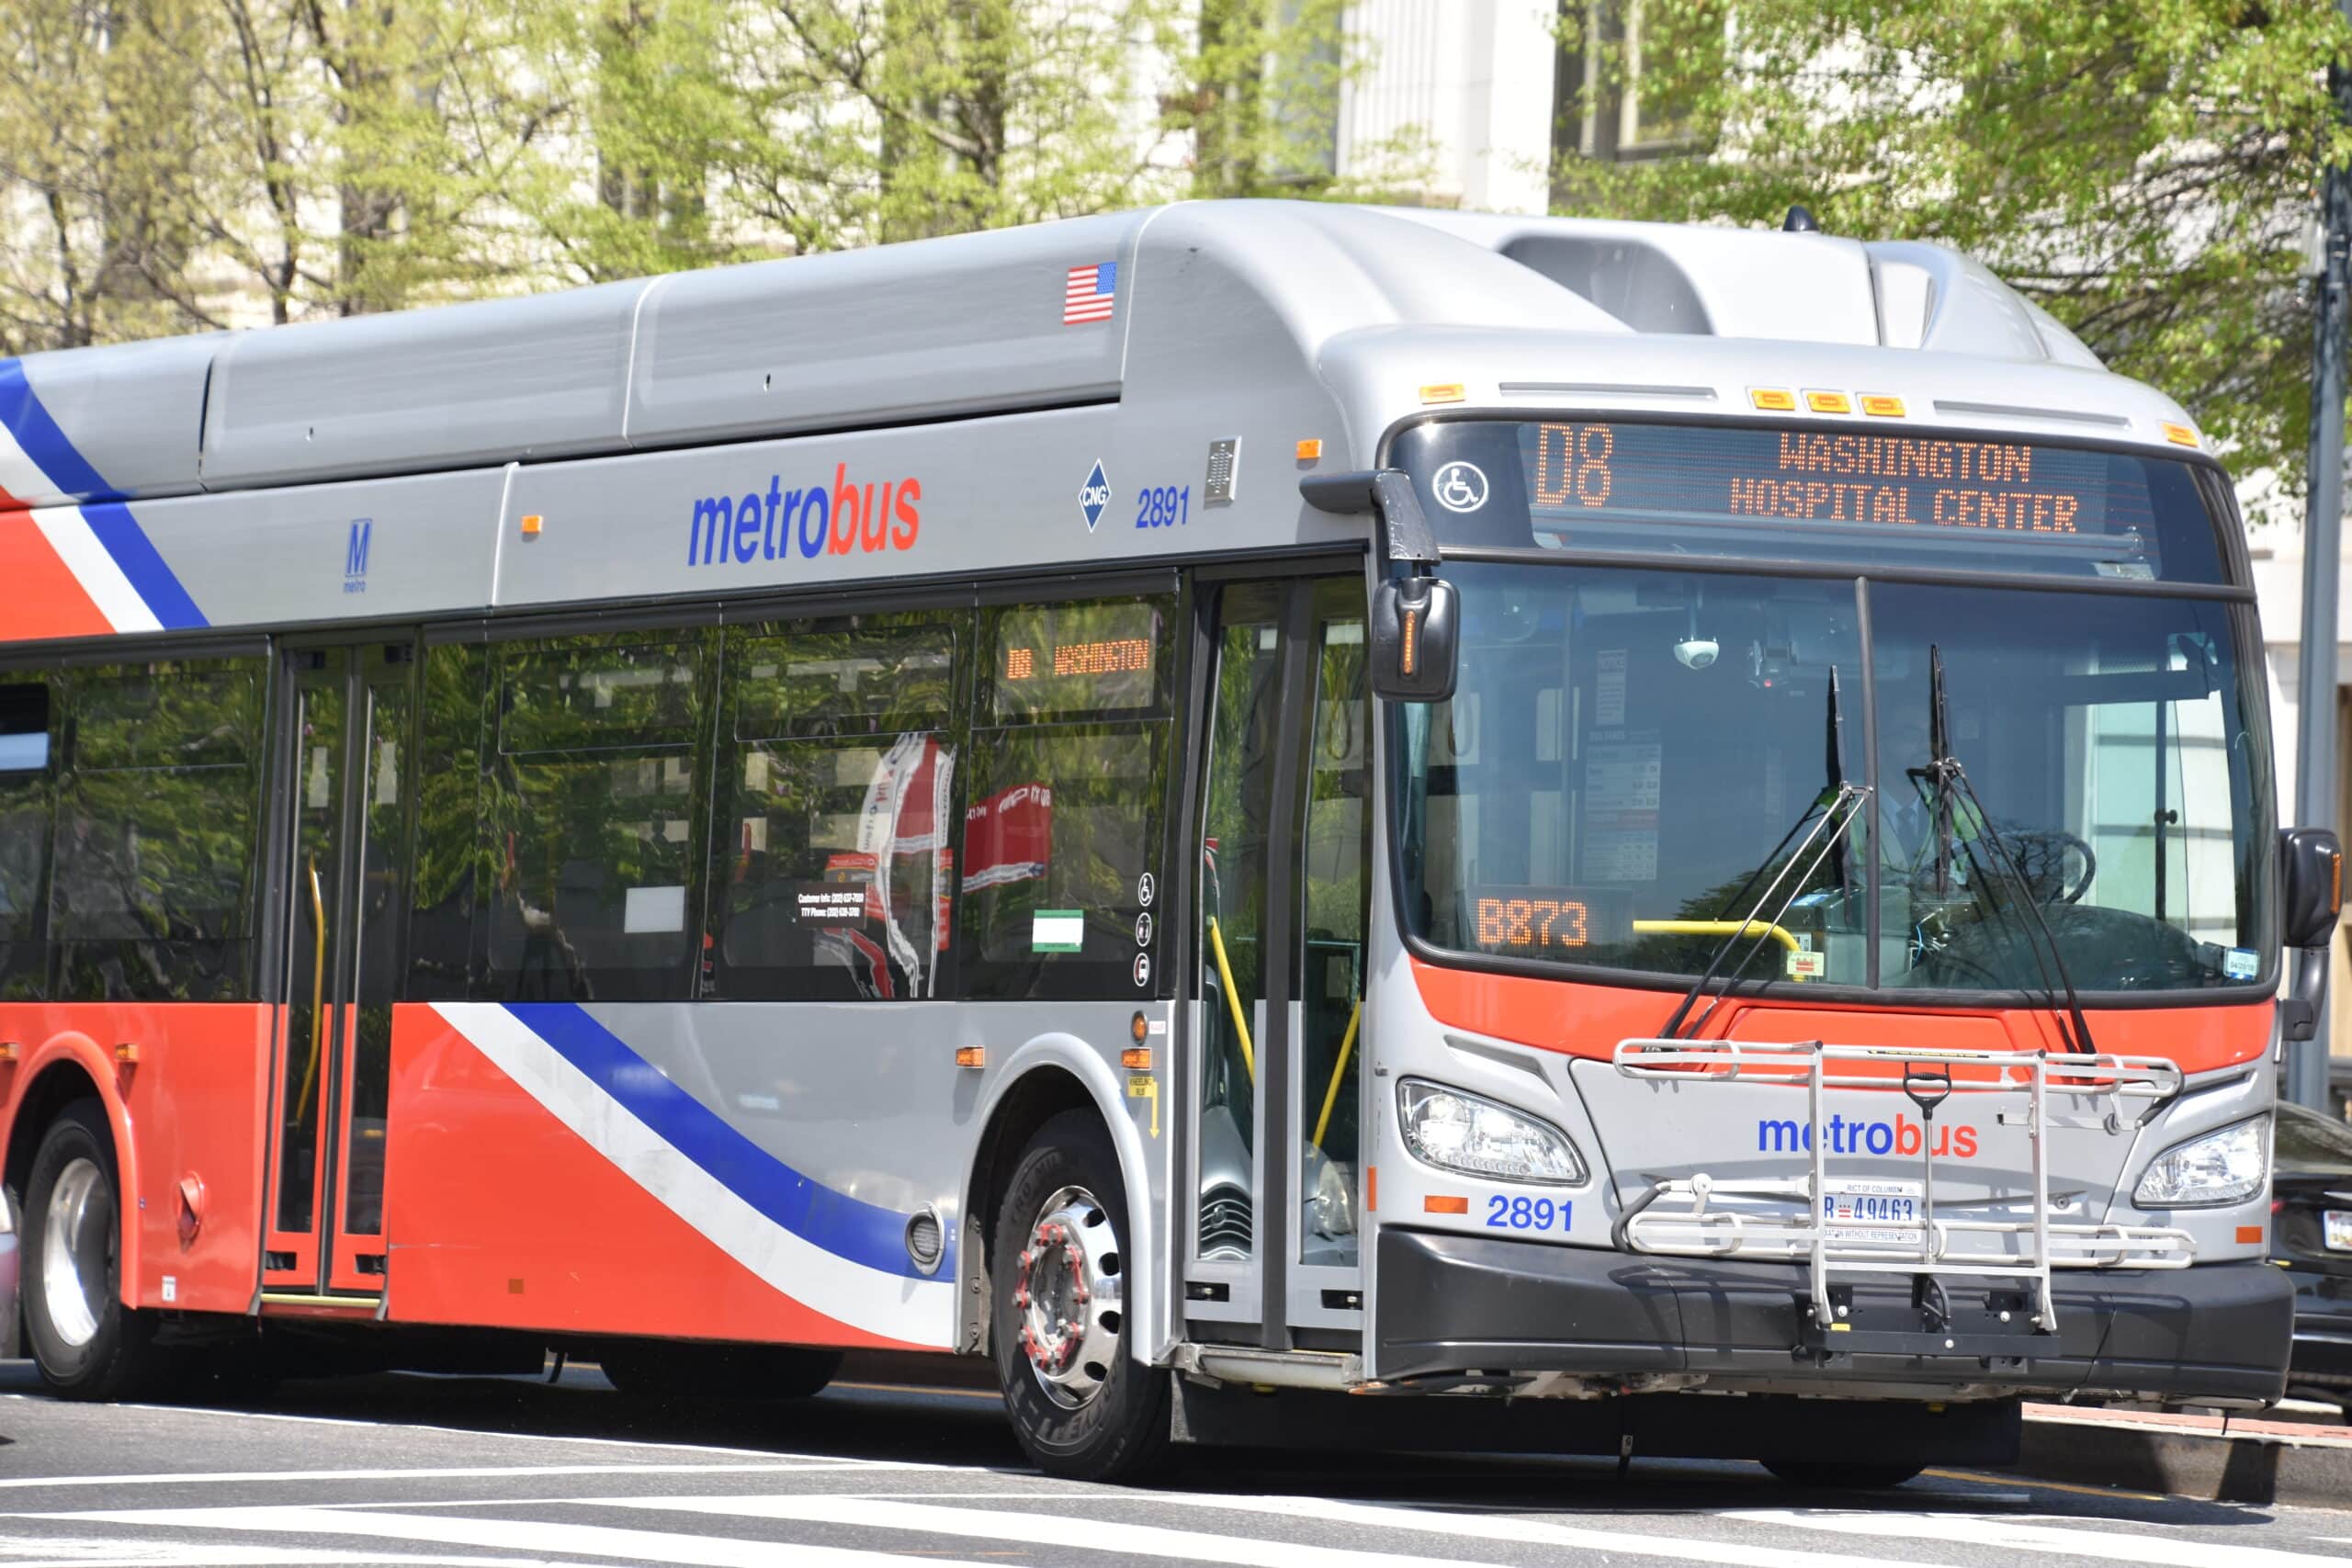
[(1309, 451), (1829, 403), (8, 1049), (531, 525), (1435, 1204), (1882, 407), (2250, 1234), (127, 1052), (1772, 400), (1371, 1189), (1135, 1058), (971, 1055), (1443, 393), (2180, 434)]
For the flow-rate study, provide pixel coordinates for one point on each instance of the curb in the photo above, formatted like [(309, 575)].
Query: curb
[(2211, 1457)]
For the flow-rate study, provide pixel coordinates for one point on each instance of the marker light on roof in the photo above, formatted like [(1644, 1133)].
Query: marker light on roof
[(1773, 399), (1443, 393), (2180, 434), (1880, 407), (1829, 403)]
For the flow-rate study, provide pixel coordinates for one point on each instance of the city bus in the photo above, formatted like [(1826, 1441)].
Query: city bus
[(1294, 822)]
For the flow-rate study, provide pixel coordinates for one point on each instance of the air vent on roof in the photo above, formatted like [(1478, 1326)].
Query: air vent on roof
[(1638, 284), (1605, 389), (2011, 411)]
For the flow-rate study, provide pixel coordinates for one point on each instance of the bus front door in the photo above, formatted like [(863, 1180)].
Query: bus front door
[(1284, 847), (341, 772)]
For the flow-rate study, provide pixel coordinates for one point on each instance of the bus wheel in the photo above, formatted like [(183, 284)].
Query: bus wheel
[(1081, 1405), (87, 1344), (1827, 1477)]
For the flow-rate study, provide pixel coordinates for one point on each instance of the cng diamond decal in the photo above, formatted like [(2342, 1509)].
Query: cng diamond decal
[(1095, 496)]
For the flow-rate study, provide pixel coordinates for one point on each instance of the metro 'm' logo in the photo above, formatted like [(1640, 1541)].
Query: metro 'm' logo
[(850, 518), (1900, 1136)]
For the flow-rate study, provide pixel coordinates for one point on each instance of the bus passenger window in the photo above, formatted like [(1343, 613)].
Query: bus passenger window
[(155, 833), (836, 861), (1062, 824), (596, 821), (24, 838)]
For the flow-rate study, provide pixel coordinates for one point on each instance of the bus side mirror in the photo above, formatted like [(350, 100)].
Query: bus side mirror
[(1414, 641), (2312, 874), (2312, 868)]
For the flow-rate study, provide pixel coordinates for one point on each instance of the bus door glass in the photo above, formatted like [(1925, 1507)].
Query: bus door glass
[(345, 773), (1281, 901)]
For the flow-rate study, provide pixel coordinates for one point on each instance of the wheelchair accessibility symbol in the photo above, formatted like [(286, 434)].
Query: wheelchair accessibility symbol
[(1460, 487)]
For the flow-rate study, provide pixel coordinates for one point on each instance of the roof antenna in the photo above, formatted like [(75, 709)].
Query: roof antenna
[(1800, 221)]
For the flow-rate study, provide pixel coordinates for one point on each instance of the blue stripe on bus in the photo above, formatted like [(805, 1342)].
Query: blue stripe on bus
[(864, 1233), (37, 434), (111, 522), (152, 580)]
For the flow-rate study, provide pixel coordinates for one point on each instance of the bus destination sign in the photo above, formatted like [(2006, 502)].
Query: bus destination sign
[(2004, 487)]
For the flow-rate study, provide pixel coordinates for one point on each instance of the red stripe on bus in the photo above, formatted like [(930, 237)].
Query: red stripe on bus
[(45, 599)]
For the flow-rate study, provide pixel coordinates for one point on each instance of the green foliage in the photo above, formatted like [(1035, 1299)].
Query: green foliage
[(2145, 171)]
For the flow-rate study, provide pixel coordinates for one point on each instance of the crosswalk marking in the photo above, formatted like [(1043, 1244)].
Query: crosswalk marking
[(1071, 1527), (88, 1552), (2015, 1535), (493, 1473), (519, 1534)]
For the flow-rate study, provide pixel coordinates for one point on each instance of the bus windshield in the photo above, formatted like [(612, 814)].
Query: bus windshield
[(1628, 746)]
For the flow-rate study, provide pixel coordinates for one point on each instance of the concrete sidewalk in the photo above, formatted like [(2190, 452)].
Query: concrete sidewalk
[(2227, 1459)]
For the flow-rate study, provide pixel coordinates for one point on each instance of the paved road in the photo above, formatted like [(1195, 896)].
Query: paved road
[(490, 1472)]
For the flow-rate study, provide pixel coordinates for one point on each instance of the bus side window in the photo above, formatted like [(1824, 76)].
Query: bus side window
[(595, 818), (24, 792), (1062, 833), (155, 832), (834, 863), (446, 874)]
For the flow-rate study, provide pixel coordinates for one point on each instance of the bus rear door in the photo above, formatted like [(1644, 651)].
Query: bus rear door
[(342, 774)]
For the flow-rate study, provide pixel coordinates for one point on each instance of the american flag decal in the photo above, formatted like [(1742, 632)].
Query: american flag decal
[(1089, 295)]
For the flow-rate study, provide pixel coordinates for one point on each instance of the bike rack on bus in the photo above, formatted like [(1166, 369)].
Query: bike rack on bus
[(2115, 1084)]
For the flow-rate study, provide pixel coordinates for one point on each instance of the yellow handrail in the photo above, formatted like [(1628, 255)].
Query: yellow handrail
[(1232, 1000), (318, 994), (1719, 928), (1332, 1095)]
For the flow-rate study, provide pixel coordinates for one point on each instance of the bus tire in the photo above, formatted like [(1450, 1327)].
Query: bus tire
[(1083, 1408), (657, 1373), (86, 1343), (1829, 1476)]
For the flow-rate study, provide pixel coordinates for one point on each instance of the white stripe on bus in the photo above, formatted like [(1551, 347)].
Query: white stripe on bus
[(914, 1312), (481, 1472), (69, 535)]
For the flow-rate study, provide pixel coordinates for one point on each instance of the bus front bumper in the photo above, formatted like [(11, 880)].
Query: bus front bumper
[(1451, 1304)]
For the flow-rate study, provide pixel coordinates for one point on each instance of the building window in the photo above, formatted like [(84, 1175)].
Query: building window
[(1627, 81)]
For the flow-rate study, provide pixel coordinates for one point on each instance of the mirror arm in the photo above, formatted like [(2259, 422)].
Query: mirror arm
[(2306, 992), (1388, 494)]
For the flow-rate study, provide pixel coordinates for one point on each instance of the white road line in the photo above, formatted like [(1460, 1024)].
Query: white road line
[(89, 1552), (1065, 1526), (521, 1535), (2101, 1539), (503, 1471)]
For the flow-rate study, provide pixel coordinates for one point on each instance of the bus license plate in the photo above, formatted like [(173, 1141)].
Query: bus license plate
[(1871, 1212), (2339, 1229)]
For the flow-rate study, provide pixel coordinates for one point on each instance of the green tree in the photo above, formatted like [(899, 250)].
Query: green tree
[(2144, 171)]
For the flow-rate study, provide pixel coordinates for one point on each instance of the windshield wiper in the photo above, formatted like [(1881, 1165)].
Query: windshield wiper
[(1949, 781), (1836, 807)]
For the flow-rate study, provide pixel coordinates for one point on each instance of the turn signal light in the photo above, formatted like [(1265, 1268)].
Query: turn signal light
[(8, 1049), (1135, 1058), (971, 1055), (531, 525), (1309, 451), (127, 1052)]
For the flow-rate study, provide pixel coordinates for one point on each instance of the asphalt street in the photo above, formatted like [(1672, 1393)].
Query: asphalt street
[(501, 1471)]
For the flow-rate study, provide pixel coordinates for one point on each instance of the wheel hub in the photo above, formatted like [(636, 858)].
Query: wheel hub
[(77, 1245), (1065, 1288)]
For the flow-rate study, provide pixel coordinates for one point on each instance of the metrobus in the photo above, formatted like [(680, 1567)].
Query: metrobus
[(1295, 821)]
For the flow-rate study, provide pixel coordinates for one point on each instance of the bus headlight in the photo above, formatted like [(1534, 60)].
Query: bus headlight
[(2227, 1166), (1457, 1131)]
